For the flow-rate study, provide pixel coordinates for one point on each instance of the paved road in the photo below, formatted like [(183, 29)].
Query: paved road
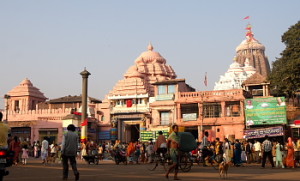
[(108, 171)]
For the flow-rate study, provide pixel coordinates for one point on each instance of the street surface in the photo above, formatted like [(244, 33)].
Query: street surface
[(108, 171)]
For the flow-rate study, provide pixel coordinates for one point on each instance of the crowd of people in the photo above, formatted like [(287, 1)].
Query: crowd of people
[(240, 152), (237, 152)]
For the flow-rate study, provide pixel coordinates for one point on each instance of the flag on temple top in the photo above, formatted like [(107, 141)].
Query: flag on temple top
[(85, 123), (205, 79), (247, 17), (249, 27)]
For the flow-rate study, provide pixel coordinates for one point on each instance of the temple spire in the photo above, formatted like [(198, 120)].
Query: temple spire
[(150, 47)]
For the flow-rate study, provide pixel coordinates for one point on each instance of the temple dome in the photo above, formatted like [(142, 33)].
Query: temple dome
[(133, 72), (149, 68), (150, 56), (26, 88), (253, 44)]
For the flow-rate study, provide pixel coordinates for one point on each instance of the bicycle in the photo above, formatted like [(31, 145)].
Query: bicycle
[(186, 162), (215, 160), (153, 161)]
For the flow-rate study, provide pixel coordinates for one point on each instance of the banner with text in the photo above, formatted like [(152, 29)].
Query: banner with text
[(260, 133), (263, 111)]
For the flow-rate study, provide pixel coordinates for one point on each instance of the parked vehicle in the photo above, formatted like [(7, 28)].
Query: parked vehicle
[(120, 156), (93, 157), (6, 160)]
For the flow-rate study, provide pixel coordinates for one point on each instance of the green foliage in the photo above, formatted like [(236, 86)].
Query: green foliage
[(285, 74)]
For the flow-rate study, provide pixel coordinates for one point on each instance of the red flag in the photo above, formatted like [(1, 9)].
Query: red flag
[(77, 113), (247, 17), (205, 79), (129, 102), (85, 122)]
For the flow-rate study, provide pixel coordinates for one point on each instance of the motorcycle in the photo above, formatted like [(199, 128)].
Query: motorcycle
[(6, 160), (120, 156), (93, 157)]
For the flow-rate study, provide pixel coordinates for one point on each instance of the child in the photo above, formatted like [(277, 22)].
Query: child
[(24, 154)]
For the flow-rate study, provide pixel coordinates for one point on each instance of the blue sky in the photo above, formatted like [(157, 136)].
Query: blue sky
[(51, 41)]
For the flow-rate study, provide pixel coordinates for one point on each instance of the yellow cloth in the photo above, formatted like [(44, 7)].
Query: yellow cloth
[(4, 128)]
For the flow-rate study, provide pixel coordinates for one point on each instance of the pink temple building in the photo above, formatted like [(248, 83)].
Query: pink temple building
[(148, 99)]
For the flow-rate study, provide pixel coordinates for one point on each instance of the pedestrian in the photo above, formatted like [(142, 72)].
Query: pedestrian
[(237, 153), (36, 148), (173, 145), (279, 149), (15, 146), (290, 162), (160, 144), (44, 150), (248, 150), (83, 150), (150, 152), (226, 150), (69, 151), (205, 148), (24, 154), (257, 151), (267, 152)]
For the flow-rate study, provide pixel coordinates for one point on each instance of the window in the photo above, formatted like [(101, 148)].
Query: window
[(166, 89), (164, 118), (212, 110), (162, 89), (171, 89), (17, 104), (189, 112), (233, 109)]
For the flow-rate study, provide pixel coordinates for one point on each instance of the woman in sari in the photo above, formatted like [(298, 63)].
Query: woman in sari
[(15, 146), (237, 153), (130, 151), (290, 163)]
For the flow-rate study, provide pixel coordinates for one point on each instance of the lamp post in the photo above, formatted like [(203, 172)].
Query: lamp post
[(85, 75), (6, 96)]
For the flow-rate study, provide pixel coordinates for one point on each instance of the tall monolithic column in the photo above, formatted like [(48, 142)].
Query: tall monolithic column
[(85, 75)]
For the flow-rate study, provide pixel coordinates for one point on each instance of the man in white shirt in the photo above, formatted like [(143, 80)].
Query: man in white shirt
[(44, 150), (257, 151)]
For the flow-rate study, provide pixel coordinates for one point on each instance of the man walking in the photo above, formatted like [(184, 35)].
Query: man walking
[(267, 152), (69, 152), (257, 151), (44, 150), (173, 145)]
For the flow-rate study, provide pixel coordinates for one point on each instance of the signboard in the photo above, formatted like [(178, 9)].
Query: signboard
[(263, 111), (147, 135), (165, 133), (104, 135), (189, 117), (113, 133), (260, 133)]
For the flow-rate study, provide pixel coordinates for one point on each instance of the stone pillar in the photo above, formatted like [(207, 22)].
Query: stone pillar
[(85, 74)]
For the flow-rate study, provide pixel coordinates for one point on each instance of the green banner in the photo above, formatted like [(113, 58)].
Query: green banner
[(263, 111), (165, 133), (147, 135)]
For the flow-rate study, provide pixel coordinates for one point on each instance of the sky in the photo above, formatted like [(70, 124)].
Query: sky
[(51, 41)]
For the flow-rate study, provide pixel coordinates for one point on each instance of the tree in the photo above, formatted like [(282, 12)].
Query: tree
[(285, 74)]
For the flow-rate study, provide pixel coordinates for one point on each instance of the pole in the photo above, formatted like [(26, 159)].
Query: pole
[(6, 107), (85, 74)]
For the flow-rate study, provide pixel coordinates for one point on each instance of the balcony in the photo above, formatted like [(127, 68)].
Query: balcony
[(164, 97)]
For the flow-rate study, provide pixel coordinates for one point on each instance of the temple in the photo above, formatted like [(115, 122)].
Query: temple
[(254, 51), (235, 76)]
